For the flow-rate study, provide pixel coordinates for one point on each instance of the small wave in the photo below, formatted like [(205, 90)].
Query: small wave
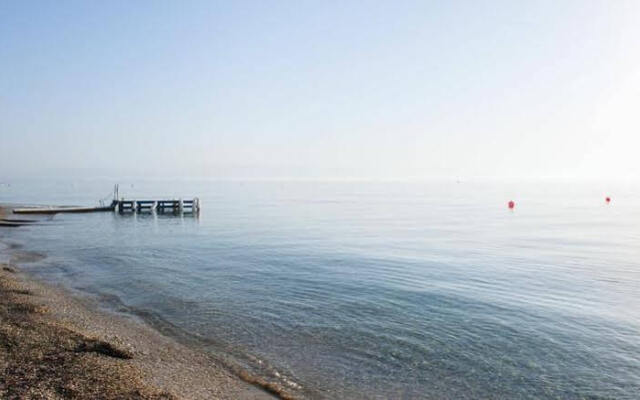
[(280, 386), (271, 387), (267, 377), (26, 256)]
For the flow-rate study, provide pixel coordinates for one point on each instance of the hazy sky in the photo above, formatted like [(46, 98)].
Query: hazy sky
[(320, 89)]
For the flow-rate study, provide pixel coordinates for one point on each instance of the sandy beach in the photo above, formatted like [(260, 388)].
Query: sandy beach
[(56, 345)]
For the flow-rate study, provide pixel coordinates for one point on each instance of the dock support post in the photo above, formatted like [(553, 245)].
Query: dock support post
[(195, 206)]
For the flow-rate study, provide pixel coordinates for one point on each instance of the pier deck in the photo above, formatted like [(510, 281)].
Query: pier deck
[(160, 206), (57, 210), (122, 206), (119, 205)]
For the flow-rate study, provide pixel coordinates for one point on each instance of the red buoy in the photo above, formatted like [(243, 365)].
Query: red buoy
[(608, 199), (511, 204)]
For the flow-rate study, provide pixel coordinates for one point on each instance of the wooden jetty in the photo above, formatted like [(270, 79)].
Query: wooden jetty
[(57, 210), (123, 206), (175, 206), (160, 206)]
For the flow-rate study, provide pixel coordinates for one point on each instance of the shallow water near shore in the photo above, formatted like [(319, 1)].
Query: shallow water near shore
[(370, 290)]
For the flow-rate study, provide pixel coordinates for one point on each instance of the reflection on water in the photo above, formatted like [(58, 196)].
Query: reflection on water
[(374, 290)]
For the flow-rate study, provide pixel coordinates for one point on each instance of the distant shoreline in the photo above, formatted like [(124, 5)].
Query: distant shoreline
[(58, 345)]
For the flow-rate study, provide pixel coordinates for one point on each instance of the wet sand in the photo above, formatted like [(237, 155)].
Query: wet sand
[(54, 345)]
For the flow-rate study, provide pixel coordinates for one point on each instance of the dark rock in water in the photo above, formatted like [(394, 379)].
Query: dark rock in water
[(104, 348), (8, 269)]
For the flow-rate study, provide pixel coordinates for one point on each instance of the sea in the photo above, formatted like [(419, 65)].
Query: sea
[(367, 290)]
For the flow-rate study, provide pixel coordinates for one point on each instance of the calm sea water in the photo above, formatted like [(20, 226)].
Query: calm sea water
[(372, 290)]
